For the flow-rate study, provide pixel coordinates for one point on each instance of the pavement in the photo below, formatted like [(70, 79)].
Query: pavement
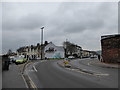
[(102, 64), (94, 66), (13, 77), (95, 62)]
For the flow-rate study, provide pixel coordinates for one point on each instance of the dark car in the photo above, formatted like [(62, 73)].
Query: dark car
[(12, 60), (5, 62)]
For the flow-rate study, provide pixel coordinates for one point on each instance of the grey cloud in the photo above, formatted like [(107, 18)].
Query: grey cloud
[(29, 22), (14, 40), (0, 28), (84, 18), (81, 23), (119, 17)]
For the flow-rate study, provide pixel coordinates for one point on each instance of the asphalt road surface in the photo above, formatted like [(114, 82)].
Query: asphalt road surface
[(48, 74), (108, 74)]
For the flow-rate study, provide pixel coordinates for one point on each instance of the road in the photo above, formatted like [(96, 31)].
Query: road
[(107, 74), (48, 74)]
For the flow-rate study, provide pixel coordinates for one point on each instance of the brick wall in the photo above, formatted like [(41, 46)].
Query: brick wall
[(111, 49)]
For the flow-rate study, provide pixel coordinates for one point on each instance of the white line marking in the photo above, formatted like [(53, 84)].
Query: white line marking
[(31, 70), (102, 74), (34, 68), (24, 81), (88, 64)]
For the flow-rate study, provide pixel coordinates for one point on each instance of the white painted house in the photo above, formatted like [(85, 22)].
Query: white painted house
[(52, 51)]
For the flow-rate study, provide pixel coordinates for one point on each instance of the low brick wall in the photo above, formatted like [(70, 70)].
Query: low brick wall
[(111, 48)]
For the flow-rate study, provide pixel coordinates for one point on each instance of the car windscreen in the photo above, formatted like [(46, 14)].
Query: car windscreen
[(19, 58)]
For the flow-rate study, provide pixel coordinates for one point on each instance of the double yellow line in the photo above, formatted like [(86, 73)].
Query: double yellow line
[(32, 84)]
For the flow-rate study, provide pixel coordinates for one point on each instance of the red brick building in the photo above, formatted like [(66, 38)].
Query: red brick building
[(110, 45)]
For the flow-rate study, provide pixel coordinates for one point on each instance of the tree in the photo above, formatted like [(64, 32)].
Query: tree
[(70, 48), (9, 52), (46, 42)]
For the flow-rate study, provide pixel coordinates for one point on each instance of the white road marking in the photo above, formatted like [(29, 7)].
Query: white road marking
[(34, 68), (102, 74), (31, 70), (31, 82), (88, 64)]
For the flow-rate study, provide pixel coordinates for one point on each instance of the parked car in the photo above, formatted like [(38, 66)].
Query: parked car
[(12, 59), (92, 57), (5, 62), (20, 60), (71, 57)]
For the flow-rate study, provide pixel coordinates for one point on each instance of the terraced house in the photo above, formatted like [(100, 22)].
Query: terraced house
[(31, 52), (48, 50)]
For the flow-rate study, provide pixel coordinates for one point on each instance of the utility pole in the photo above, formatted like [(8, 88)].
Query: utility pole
[(42, 43), (65, 48)]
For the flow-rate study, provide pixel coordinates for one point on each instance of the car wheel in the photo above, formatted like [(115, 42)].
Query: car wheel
[(16, 63)]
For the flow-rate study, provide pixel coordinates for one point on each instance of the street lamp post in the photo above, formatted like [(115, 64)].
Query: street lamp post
[(42, 42), (66, 49)]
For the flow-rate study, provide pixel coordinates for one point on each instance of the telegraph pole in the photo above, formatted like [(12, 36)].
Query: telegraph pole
[(65, 48), (42, 43)]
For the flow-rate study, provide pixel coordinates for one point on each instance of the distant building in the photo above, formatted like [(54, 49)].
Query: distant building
[(110, 48), (85, 54), (89, 54), (49, 50), (72, 50), (77, 53), (52, 51), (34, 52), (30, 52)]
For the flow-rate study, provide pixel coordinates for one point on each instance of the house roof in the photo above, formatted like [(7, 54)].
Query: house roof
[(59, 48)]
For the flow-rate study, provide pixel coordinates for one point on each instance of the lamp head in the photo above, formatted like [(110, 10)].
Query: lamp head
[(42, 27)]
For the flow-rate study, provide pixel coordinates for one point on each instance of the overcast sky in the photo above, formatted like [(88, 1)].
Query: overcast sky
[(80, 23)]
